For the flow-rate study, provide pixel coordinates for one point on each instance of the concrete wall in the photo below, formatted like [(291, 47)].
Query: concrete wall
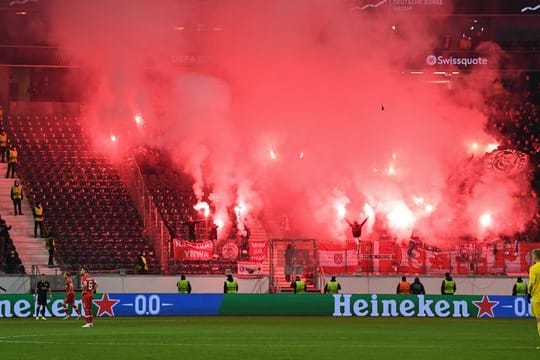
[(465, 285), (167, 284), (214, 284)]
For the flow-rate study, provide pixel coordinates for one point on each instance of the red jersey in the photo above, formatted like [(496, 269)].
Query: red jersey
[(69, 286), (88, 284)]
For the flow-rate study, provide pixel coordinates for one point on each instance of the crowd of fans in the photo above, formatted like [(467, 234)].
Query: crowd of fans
[(515, 121)]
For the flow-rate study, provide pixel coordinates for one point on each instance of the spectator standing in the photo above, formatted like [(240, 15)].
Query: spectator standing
[(356, 229), (213, 232), (43, 289), (17, 196), (332, 287), (183, 285), (38, 219), (213, 236), (13, 155), (13, 263), (6, 244), (417, 288), (289, 262), (520, 287), (191, 225), (448, 286), (230, 286), (50, 245), (245, 234), (403, 287), (3, 144)]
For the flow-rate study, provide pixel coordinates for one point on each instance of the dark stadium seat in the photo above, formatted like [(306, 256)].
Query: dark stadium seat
[(86, 204)]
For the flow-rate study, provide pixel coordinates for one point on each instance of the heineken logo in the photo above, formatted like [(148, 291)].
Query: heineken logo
[(422, 306), (338, 305)]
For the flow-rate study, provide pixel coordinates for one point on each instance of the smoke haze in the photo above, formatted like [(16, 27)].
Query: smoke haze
[(296, 109)]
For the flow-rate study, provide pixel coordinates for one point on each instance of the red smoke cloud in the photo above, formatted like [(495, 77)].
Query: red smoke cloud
[(295, 109)]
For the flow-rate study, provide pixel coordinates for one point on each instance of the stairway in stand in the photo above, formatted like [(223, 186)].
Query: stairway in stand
[(31, 250)]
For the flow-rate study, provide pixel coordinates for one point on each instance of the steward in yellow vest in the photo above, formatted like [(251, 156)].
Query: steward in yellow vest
[(13, 155), (299, 286), (38, 219), (520, 288), (448, 286), (17, 196), (3, 144), (332, 287), (183, 285), (230, 286), (142, 264)]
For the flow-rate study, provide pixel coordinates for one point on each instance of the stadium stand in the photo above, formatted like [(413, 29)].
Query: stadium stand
[(172, 194), (86, 204)]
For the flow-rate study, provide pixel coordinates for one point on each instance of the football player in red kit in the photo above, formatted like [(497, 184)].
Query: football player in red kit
[(88, 287), (69, 298)]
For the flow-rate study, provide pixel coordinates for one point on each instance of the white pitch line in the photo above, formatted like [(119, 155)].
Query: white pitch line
[(177, 344)]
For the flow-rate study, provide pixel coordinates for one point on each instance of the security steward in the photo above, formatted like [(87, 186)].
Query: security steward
[(448, 286), (332, 287), (403, 287), (3, 144), (230, 286), (17, 197), (12, 161), (299, 286), (183, 285), (520, 288), (38, 219)]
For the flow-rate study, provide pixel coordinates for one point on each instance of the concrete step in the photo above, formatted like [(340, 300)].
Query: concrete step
[(31, 250)]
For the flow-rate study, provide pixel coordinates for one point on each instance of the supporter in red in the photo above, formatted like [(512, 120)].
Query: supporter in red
[(356, 229), (88, 287), (69, 299)]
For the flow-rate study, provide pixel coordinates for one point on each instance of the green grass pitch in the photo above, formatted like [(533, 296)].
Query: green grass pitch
[(273, 338)]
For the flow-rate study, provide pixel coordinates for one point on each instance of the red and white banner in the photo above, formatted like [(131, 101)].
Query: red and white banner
[(257, 250), (338, 261), (249, 270), (388, 257), (187, 250)]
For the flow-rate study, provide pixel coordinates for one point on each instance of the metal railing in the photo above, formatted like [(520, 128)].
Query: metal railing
[(154, 226)]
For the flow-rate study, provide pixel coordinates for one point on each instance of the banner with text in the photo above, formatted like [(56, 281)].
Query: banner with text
[(340, 305), (257, 250), (187, 250), (249, 270)]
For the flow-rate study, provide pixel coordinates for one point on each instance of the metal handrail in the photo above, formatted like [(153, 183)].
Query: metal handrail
[(153, 223)]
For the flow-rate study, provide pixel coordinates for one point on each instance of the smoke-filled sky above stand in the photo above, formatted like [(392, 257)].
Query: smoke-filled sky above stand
[(297, 110)]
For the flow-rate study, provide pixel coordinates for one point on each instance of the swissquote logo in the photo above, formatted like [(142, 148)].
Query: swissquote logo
[(432, 60)]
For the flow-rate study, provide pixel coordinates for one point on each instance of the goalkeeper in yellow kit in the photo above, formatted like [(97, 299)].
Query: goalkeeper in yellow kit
[(534, 288)]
